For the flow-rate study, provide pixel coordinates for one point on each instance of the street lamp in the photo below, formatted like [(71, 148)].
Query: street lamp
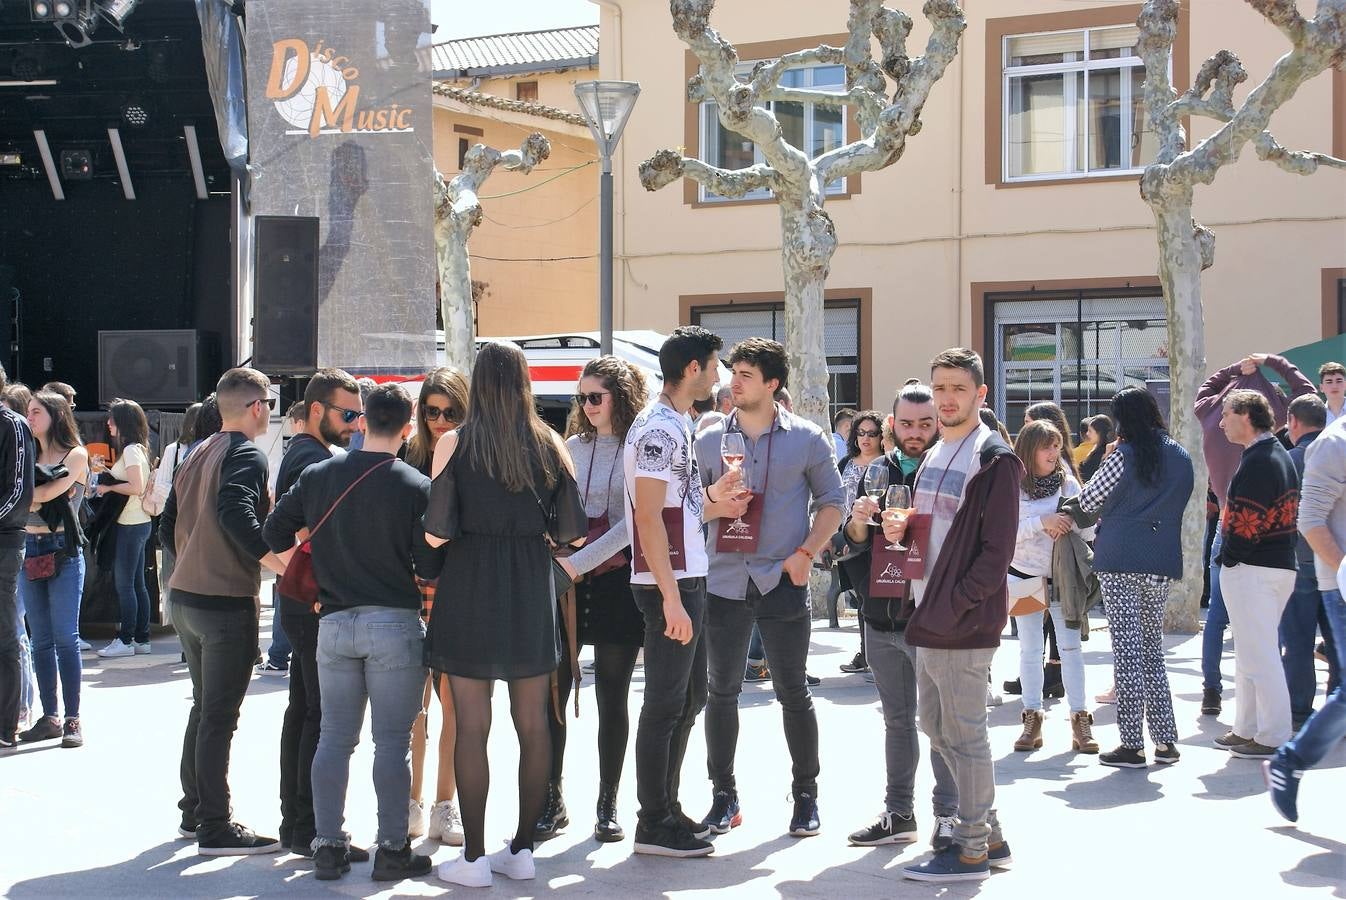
[(606, 106)]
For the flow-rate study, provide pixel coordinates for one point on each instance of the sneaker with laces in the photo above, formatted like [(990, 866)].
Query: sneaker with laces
[(395, 865), (998, 855), (888, 828), (187, 830), (1252, 750), (1166, 754), (725, 813), (117, 649), (812, 680), (1282, 780), (1124, 758), (950, 864), (804, 821), (461, 871), (943, 834), (669, 838), (84, 646), (71, 734), (515, 866), (141, 649), (1210, 702), (330, 863), (699, 830), (1229, 740), (44, 729), (446, 825), (857, 664), (757, 673), (235, 840), (415, 819), (270, 668)]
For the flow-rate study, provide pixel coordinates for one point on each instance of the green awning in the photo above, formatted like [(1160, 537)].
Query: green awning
[(1308, 357)]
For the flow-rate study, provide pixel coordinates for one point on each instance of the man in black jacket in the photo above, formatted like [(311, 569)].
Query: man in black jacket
[(1257, 573), (332, 409), (915, 425), (17, 455), (366, 557)]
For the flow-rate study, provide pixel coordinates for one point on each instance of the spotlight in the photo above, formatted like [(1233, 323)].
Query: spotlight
[(63, 9), (135, 112), (76, 165), (40, 10), (76, 20), (117, 11)]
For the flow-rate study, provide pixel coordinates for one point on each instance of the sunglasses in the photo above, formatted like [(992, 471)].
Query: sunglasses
[(269, 401), (347, 415), (867, 432), (593, 398), (434, 413)]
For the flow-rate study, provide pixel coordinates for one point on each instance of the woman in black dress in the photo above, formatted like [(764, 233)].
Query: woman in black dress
[(503, 485), (611, 394)]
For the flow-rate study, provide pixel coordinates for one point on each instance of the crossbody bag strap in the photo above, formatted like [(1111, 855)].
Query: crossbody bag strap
[(331, 509)]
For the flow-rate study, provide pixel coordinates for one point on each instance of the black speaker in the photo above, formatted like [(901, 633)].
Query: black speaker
[(156, 368), (285, 296)]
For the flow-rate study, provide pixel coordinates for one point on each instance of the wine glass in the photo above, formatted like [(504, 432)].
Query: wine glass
[(732, 451), (899, 498), (876, 482)]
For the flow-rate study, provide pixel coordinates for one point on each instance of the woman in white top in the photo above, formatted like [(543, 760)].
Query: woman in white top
[(129, 433), (1047, 480)]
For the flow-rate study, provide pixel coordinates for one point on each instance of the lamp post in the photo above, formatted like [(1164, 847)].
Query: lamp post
[(606, 106)]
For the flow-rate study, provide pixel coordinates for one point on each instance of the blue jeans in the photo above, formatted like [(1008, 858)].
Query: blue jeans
[(278, 654), (367, 654), (1328, 725), (26, 679), (1217, 620), (129, 573), (1299, 626), (52, 607)]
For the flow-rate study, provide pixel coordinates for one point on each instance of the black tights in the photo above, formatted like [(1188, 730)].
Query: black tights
[(613, 665), (528, 706)]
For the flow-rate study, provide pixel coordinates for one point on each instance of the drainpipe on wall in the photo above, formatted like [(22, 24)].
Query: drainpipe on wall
[(619, 188)]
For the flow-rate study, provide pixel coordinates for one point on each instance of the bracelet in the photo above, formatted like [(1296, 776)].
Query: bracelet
[(804, 550)]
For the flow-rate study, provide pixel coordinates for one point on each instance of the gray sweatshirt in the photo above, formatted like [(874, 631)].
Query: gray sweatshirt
[(1322, 498), (598, 465)]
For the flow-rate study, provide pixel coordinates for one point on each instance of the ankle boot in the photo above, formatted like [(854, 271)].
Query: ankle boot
[(554, 816), (1052, 686), (606, 829), (1081, 732), (1031, 739)]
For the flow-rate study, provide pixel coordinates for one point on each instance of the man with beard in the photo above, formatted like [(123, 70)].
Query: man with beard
[(332, 412), (891, 659)]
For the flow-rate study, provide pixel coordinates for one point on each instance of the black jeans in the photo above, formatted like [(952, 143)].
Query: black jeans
[(299, 730), (675, 693), (11, 561), (220, 645), (784, 618)]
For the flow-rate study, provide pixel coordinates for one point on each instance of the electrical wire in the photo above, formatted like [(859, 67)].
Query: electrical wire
[(534, 258), (579, 210), (545, 181)]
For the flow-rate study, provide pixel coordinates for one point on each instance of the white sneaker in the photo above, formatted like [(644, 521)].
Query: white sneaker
[(518, 866), (84, 646), (992, 698), (446, 825), (416, 819), (117, 649), (468, 874), (142, 649)]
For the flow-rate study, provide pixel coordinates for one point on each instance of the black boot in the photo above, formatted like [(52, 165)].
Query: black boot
[(1052, 685), (1013, 687), (606, 829), (554, 816)]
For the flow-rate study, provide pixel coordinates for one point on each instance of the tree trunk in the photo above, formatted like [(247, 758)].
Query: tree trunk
[(1180, 263), (807, 245), (455, 295)]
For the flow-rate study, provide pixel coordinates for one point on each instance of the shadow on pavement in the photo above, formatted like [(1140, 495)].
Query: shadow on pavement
[(1316, 870)]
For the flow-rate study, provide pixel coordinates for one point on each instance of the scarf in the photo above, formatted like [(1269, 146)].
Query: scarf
[(1046, 485)]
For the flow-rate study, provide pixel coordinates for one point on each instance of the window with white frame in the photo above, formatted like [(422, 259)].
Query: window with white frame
[(1073, 105), (812, 128)]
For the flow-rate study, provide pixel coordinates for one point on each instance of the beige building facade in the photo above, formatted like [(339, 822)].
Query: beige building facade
[(1013, 223), (534, 256)]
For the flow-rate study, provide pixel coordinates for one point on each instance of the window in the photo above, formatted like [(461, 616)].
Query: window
[(841, 320), (811, 128), (526, 91), (1341, 306), (463, 146), (1073, 104), (1075, 349)]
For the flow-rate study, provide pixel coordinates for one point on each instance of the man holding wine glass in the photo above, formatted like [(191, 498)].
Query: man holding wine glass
[(759, 563)]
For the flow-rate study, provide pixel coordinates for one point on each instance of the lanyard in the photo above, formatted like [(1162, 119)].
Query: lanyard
[(953, 459), (770, 436), (589, 477)]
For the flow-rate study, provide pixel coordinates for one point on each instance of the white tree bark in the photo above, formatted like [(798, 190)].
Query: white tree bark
[(1185, 246), (808, 238), (457, 213)]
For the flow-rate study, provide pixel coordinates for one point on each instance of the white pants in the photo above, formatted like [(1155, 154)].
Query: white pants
[(1255, 597)]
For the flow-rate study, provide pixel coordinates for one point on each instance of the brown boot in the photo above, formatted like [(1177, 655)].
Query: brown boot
[(1081, 732), (1031, 739)]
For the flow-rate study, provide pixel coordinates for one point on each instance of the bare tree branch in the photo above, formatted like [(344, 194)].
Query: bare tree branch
[(1285, 16), (1296, 162), (1158, 23), (1212, 94), (767, 74), (668, 166)]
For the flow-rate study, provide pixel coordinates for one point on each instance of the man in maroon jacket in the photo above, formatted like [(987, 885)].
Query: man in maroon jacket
[(963, 529)]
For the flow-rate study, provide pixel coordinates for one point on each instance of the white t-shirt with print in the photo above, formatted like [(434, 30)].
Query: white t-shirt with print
[(940, 488), (659, 445)]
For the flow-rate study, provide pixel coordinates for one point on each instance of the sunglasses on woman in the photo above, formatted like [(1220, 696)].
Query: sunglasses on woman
[(867, 432), (593, 398), (434, 413)]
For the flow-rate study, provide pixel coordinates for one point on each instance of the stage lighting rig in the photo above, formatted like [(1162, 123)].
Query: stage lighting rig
[(117, 11), (76, 20)]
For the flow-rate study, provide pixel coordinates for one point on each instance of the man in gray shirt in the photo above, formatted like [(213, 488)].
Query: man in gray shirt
[(760, 553)]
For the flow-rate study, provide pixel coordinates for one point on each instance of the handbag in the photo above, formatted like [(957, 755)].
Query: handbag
[(42, 567), (1027, 595), (299, 582)]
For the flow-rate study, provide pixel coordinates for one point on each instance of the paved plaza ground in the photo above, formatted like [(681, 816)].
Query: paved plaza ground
[(101, 821)]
